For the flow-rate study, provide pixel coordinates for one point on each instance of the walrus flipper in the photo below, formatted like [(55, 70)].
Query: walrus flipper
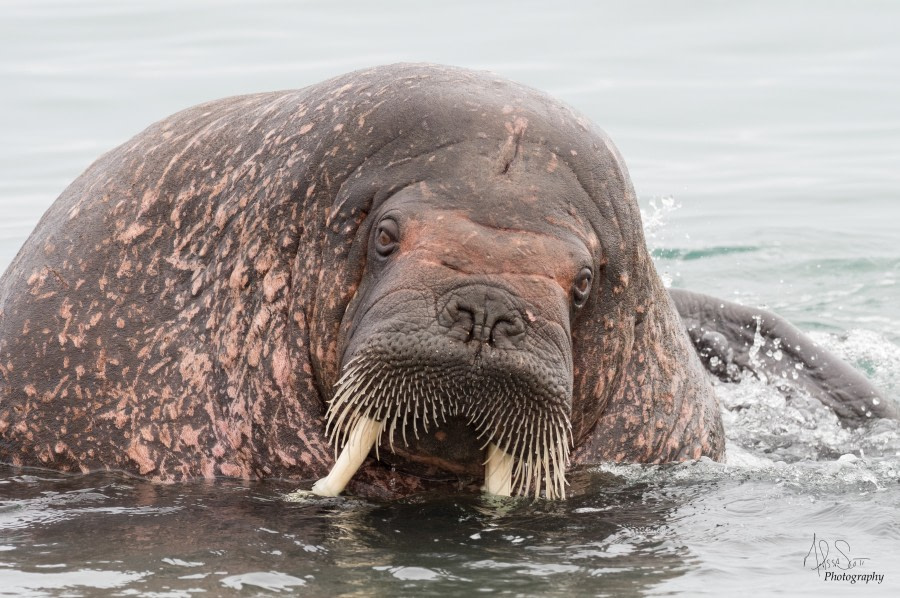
[(733, 339)]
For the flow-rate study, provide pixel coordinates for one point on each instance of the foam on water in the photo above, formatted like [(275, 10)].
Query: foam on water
[(870, 352)]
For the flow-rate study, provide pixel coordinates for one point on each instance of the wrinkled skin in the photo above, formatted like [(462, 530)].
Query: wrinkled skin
[(186, 307)]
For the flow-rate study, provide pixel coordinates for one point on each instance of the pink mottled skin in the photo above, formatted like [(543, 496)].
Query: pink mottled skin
[(182, 309)]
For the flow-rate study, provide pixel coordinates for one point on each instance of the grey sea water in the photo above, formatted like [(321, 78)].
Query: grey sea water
[(764, 142)]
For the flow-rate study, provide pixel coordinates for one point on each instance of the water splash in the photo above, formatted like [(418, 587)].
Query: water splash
[(846, 473), (869, 352), (655, 217), (655, 220)]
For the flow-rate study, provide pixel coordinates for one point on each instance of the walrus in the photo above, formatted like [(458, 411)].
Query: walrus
[(403, 277)]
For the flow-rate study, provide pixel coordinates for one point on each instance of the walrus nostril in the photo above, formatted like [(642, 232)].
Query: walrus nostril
[(459, 319), (483, 315), (508, 331)]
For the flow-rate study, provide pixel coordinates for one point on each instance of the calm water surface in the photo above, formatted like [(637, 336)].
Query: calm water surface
[(764, 141)]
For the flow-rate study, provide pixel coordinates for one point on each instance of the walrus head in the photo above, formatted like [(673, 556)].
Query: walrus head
[(463, 319), (487, 233)]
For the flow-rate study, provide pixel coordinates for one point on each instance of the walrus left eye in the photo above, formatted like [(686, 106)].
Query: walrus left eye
[(387, 237), (581, 288)]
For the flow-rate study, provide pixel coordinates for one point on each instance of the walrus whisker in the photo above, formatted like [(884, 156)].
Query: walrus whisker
[(562, 465), (520, 438), (381, 382), (343, 386), (434, 406), (405, 424), (348, 409), (546, 463), (517, 473), (349, 387), (394, 420), (339, 430), (535, 456), (373, 413), (526, 441), (485, 415), (522, 449), (527, 477), (422, 402), (346, 431)]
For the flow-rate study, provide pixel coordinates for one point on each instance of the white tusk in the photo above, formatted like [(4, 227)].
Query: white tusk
[(498, 471), (363, 435)]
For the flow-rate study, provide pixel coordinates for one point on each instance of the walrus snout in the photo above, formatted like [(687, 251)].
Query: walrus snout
[(482, 315), (473, 376)]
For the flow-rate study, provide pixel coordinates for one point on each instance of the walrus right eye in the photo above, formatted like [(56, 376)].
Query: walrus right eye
[(581, 288), (387, 237)]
